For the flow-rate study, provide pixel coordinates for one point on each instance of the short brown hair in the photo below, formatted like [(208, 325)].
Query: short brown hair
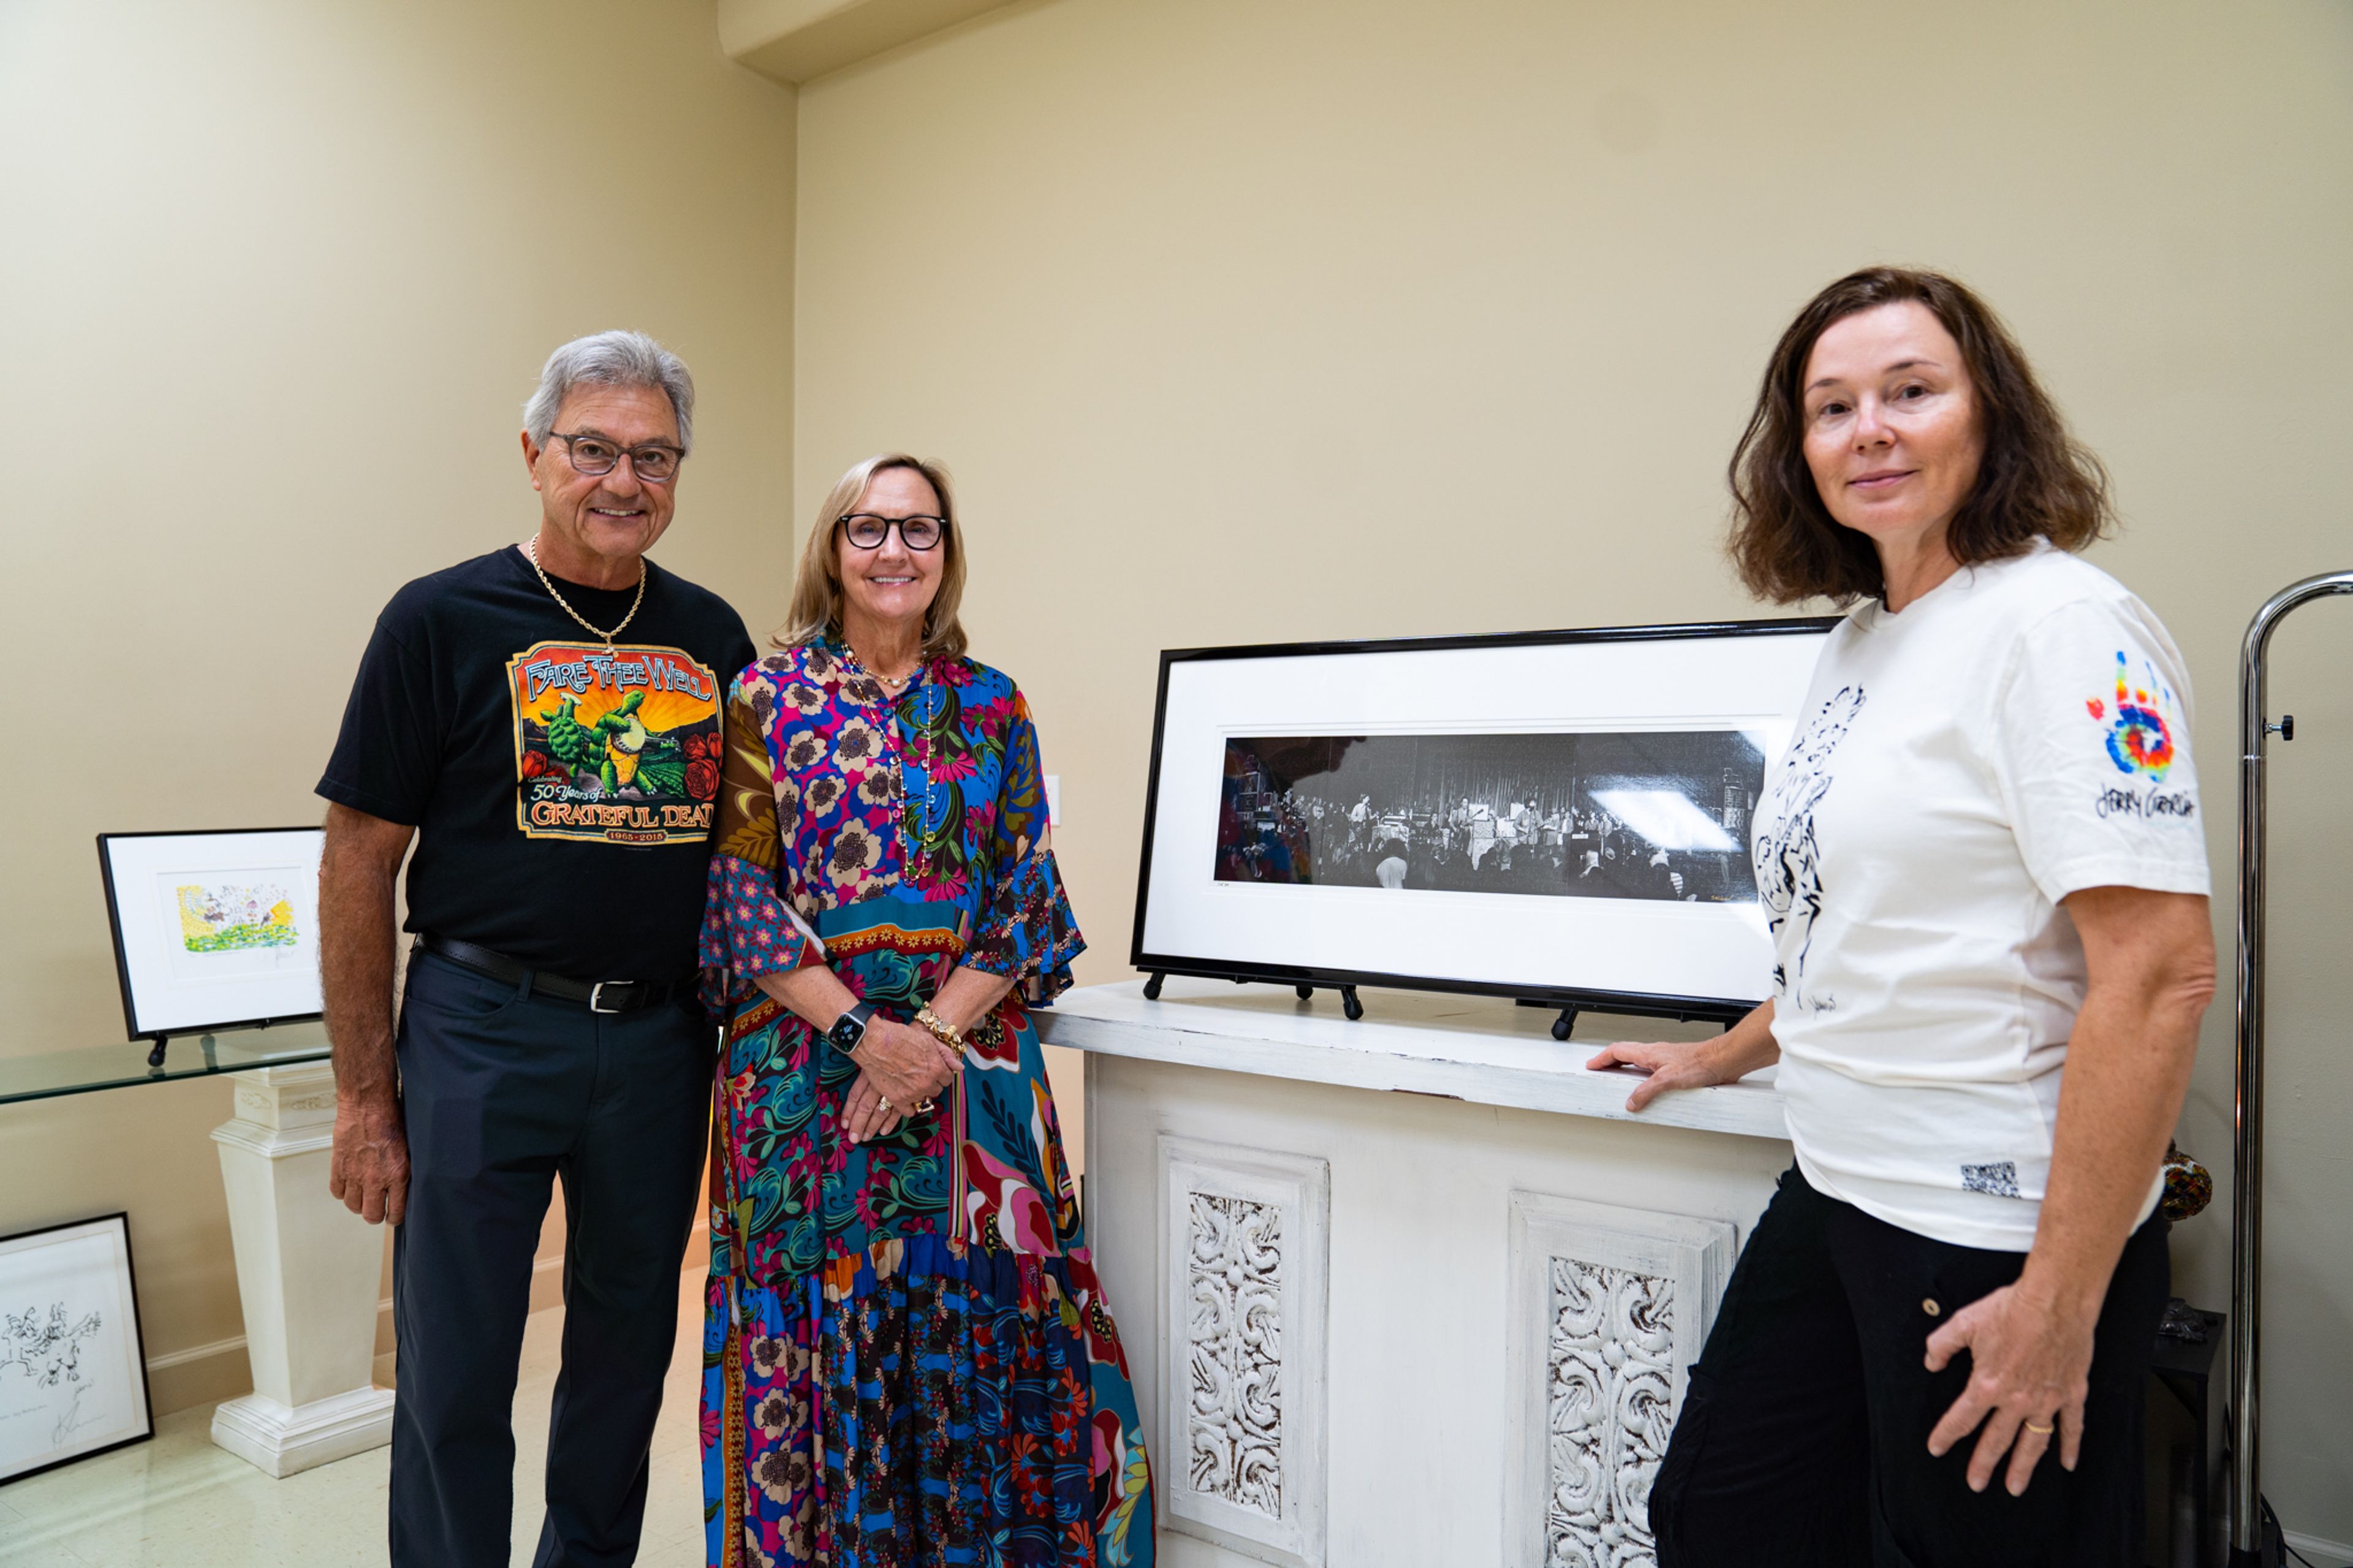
[(816, 612), (2034, 479)]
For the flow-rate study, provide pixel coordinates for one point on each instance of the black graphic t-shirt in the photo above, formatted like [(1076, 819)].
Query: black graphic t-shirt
[(562, 790)]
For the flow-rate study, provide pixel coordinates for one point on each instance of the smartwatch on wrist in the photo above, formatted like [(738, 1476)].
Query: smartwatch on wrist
[(849, 1031)]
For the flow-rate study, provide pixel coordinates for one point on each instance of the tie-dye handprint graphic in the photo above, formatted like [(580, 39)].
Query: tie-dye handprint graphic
[(2139, 739)]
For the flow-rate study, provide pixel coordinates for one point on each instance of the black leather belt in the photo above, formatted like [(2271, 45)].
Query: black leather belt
[(602, 996)]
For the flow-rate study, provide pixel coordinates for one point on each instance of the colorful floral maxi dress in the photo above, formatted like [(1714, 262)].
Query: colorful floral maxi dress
[(907, 1360)]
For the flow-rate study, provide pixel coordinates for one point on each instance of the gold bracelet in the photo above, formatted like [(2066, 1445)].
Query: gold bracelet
[(947, 1033)]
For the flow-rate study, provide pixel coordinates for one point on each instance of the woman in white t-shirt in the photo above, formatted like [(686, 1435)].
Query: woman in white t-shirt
[(1983, 863)]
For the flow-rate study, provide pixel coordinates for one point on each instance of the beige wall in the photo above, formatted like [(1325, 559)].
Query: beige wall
[(1246, 322), (275, 281), (1237, 321)]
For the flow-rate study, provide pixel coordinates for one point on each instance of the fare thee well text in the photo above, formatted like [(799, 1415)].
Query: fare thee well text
[(614, 672)]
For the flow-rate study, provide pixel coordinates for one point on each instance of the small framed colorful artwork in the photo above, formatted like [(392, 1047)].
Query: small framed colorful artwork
[(213, 931)]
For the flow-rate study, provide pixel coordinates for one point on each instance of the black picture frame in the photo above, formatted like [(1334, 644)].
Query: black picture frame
[(137, 1028), (1534, 990), (121, 1220)]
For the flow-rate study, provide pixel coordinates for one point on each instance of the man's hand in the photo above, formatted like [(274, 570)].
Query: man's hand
[(2029, 1367), (369, 1168)]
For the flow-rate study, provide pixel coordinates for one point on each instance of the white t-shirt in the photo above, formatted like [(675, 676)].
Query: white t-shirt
[(2018, 734)]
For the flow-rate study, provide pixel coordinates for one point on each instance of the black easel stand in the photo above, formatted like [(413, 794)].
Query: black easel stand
[(1560, 1026), (156, 1052), (1352, 1008), (1349, 1006)]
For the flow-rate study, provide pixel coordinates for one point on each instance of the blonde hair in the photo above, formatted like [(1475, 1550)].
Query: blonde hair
[(816, 612)]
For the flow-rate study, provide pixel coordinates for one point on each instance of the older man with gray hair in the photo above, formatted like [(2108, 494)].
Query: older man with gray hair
[(543, 722)]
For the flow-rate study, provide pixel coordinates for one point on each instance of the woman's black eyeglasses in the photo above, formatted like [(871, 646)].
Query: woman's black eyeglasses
[(868, 530)]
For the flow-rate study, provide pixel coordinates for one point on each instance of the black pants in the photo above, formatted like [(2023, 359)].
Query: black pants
[(1804, 1438), (504, 1093)]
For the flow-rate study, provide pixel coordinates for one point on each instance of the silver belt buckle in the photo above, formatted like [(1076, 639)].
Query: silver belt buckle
[(596, 994)]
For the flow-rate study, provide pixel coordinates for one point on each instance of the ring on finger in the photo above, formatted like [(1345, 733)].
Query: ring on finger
[(2041, 1431)]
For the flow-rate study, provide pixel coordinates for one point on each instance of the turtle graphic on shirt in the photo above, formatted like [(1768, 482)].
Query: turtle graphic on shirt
[(1788, 858), (618, 748)]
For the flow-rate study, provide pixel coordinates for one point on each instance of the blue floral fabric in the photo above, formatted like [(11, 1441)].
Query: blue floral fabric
[(907, 1358)]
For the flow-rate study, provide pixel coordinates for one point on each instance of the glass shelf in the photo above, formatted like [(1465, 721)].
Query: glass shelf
[(91, 1067)]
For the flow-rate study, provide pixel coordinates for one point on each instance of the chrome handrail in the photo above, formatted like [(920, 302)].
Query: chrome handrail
[(2246, 1181)]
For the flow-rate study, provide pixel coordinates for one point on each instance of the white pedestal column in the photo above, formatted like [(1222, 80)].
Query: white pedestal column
[(308, 1269)]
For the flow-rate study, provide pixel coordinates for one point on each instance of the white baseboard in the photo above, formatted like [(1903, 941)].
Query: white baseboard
[(198, 1375), (211, 1372), (217, 1371), (2327, 1554), (233, 1345), (547, 1283), (546, 1290)]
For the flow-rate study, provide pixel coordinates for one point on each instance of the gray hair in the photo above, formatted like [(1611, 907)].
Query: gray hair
[(610, 359)]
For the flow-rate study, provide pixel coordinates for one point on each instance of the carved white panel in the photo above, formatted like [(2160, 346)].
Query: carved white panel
[(1233, 1418), (1610, 1308), (1245, 1272)]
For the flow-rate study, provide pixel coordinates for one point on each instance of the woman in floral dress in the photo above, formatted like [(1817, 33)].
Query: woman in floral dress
[(907, 1360)]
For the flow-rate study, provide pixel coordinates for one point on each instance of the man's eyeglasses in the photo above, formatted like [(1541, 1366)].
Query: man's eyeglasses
[(655, 463), (868, 530)]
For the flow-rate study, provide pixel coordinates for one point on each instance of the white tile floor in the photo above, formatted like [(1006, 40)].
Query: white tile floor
[(179, 1501)]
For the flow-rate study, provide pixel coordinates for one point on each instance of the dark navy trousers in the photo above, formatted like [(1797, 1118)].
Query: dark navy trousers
[(504, 1094)]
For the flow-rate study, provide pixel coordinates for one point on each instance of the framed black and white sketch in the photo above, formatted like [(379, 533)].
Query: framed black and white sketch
[(73, 1370), (1561, 816), (213, 931)]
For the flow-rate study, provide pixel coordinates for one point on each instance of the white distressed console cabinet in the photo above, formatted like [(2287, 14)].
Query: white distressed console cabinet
[(1412, 1290)]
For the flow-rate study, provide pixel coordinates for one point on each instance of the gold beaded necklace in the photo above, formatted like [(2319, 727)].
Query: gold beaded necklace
[(892, 685), (530, 550)]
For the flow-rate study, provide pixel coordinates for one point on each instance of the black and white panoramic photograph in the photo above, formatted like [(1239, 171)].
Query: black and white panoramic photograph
[(1660, 815)]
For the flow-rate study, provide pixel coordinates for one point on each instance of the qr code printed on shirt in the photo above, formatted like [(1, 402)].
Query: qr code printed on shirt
[(2000, 1178)]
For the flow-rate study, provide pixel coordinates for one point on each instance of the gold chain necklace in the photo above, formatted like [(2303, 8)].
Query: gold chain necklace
[(530, 550), (892, 684)]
